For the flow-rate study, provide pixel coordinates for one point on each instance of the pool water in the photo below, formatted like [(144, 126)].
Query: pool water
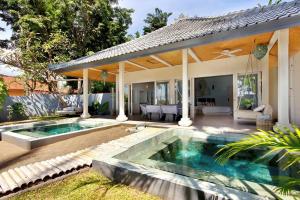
[(56, 129), (200, 155)]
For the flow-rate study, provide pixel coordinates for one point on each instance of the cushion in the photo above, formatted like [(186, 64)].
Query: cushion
[(259, 108), (69, 109)]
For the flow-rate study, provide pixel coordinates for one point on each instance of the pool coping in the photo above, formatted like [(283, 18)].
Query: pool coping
[(162, 183), (28, 143)]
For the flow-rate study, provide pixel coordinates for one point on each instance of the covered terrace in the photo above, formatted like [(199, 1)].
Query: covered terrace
[(188, 49)]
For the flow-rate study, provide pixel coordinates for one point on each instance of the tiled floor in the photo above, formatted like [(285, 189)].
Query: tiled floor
[(211, 124)]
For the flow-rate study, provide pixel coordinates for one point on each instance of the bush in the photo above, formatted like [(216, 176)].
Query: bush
[(16, 111), (3, 93), (99, 109)]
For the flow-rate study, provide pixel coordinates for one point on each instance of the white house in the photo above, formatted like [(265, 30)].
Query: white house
[(207, 61)]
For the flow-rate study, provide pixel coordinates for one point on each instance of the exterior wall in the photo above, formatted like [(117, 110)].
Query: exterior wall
[(228, 66), (45, 104)]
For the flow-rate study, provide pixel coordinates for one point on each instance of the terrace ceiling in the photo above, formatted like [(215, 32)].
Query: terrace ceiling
[(203, 53)]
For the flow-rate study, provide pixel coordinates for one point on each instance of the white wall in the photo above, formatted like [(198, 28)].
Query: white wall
[(228, 66)]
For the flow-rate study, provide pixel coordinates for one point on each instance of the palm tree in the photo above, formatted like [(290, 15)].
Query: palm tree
[(276, 2), (284, 141), (156, 20)]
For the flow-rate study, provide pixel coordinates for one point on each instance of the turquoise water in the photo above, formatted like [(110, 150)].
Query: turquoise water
[(200, 156), (56, 129)]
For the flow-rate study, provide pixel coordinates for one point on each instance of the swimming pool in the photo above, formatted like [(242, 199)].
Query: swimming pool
[(32, 135), (56, 129), (187, 158)]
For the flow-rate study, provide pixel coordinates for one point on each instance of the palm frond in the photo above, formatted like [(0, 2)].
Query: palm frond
[(285, 141)]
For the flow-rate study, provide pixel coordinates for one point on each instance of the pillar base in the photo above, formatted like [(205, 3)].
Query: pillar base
[(122, 118), (185, 122), (282, 126), (85, 115)]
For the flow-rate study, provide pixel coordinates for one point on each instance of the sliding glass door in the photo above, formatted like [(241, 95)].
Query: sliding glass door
[(162, 91)]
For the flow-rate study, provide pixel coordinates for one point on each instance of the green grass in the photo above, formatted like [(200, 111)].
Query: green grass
[(86, 185)]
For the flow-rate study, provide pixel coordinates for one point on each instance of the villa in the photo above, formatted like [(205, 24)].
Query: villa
[(201, 63)]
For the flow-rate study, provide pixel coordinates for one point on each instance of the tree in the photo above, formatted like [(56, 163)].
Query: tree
[(275, 2), (284, 142), (156, 20), (3, 93), (53, 31)]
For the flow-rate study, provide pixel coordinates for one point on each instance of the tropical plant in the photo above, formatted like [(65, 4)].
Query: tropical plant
[(101, 87), (48, 31), (283, 141), (156, 20), (16, 111), (271, 2), (3, 93)]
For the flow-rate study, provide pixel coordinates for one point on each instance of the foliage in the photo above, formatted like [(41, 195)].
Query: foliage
[(99, 109), (3, 93), (101, 87), (275, 2), (85, 185), (51, 31), (16, 111), (246, 103), (285, 143), (156, 20)]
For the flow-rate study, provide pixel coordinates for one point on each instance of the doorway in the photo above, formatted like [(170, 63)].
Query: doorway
[(142, 93), (214, 95)]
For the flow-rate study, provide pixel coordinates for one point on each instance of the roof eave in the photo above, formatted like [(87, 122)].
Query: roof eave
[(264, 27)]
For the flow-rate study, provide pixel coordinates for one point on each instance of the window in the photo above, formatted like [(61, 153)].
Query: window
[(162, 90), (248, 91)]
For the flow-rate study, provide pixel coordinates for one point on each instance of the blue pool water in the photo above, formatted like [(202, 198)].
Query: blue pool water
[(201, 156), (56, 129)]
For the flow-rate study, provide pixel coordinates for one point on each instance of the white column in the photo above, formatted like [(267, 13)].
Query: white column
[(85, 113), (78, 86), (185, 120), (117, 94), (283, 77), (192, 97), (112, 101), (265, 79), (121, 117)]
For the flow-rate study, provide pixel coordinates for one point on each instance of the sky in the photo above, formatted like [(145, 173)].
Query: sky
[(191, 8)]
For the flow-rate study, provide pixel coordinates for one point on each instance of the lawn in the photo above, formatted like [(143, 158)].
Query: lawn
[(85, 185)]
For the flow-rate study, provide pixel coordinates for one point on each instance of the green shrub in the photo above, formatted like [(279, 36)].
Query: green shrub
[(3, 93), (104, 108), (16, 111), (99, 109)]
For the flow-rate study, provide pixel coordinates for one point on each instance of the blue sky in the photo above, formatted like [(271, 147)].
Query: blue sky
[(187, 7)]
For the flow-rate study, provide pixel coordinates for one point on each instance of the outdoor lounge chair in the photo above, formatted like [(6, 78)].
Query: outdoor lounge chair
[(70, 110)]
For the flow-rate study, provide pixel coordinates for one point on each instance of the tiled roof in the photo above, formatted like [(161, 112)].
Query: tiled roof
[(191, 28)]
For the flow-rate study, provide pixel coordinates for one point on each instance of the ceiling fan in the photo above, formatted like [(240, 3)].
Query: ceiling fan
[(227, 52)]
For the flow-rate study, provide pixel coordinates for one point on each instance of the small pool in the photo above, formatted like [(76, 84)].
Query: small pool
[(56, 129), (192, 154), (200, 157), (33, 135)]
